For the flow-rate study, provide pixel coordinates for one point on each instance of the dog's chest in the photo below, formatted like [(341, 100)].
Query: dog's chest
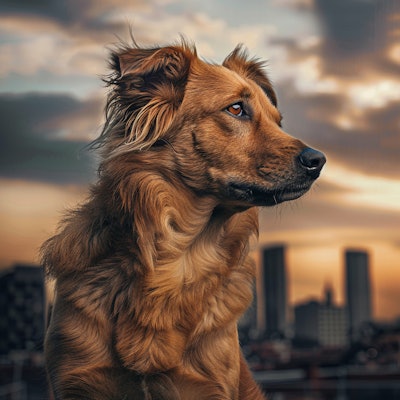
[(204, 287)]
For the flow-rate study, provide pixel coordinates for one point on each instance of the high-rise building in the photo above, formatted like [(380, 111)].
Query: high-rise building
[(274, 291), (22, 304), (358, 290), (321, 323), (306, 321)]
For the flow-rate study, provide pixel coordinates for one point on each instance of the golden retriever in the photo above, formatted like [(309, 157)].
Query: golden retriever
[(152, 272)]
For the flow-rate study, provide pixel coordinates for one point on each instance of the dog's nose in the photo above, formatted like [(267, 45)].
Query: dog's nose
[(312, 161)]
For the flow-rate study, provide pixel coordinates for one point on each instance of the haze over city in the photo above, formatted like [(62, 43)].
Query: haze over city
[(335, 66)]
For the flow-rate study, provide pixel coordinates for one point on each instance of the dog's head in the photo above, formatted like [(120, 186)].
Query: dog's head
[(217, 128)]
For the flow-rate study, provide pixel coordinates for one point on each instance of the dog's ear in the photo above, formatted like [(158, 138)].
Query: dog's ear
[(239, 62), (171, 63), (150, 88)]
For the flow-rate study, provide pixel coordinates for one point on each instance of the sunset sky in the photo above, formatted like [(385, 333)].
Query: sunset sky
[(336, 69)]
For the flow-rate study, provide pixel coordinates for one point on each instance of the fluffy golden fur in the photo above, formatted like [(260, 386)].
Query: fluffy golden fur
[(152, 271)]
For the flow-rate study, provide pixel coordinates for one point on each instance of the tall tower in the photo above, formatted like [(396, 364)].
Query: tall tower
[(358, 290), (274, 286)]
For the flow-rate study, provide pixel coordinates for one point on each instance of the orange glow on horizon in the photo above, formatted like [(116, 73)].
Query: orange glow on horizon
[(29, 214)]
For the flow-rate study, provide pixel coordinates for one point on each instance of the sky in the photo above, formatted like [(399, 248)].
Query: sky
[(335, 66)]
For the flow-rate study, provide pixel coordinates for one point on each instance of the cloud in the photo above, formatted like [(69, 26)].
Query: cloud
[(33, 44), (73, 13), (370, 145), (354, 53), (365, 191), (71, 38), (60, 37), (350, 27), (34, 134), (359, 30), (376, 94)]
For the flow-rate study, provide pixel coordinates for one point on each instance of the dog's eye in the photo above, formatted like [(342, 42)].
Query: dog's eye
[(236, 109)]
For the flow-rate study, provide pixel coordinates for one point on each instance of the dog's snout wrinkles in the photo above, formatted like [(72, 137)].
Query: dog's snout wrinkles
[(312, 160)]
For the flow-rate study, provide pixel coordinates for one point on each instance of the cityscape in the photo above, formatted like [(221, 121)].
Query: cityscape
[(313, 349), (320, 322)]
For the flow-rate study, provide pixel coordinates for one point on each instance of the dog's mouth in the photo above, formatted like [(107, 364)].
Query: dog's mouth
[(259, 196)]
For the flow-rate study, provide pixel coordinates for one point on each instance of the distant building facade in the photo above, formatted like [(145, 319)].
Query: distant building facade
[(306, 321), (274, 288), (358, 290), (22, 304), (323, 324)]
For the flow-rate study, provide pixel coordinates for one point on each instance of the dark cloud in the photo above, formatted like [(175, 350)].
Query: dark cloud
[(63, 11), (351, 27), (356, 36), (83, 19), (31, 146), (373, 148), (356, 33)]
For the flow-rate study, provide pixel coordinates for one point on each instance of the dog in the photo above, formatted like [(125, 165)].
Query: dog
[(152, 271)]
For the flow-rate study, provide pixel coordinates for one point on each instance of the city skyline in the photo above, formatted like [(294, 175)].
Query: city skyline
[(322, 322), (260, 290), (334, 66), (273, 283)]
